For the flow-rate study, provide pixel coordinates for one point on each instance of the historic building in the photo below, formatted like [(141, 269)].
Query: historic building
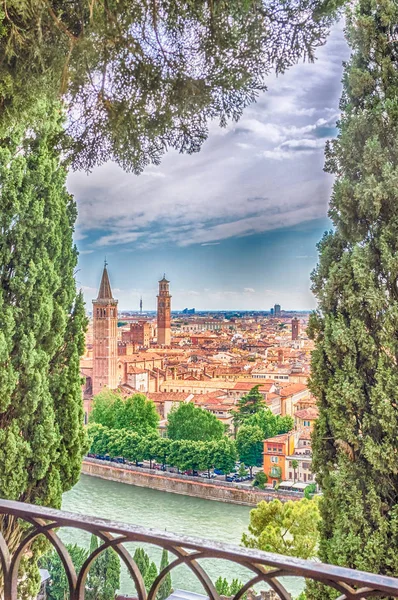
[(295, 328), (164, 313), (139, 334), (105, 354)]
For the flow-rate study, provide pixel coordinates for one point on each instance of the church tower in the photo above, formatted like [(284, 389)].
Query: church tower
[(104, 337), (164, 312)]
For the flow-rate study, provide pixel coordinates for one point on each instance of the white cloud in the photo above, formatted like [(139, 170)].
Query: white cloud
[(262, 173), (249, 290)]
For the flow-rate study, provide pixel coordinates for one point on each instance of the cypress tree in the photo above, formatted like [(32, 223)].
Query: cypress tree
[(165, 588), (42, 323), (354, 366)]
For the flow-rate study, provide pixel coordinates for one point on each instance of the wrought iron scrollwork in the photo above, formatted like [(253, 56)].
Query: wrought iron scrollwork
[(265, 567)]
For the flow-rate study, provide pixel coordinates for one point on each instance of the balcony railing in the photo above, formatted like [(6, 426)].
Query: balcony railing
[(266, 568)]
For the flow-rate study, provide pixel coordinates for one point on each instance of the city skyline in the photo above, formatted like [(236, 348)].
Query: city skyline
[(235, 226)]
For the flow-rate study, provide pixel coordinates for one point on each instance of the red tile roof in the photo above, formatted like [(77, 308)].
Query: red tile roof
[(309, 414)]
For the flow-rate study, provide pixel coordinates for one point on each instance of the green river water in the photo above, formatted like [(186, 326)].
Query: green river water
[(167, 512)]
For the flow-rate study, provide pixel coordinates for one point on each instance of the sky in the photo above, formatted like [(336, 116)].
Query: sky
[(233, 227)]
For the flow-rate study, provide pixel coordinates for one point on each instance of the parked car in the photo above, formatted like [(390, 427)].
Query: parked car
[(207, 475), (219, 472), (230, 478), (118, 459)]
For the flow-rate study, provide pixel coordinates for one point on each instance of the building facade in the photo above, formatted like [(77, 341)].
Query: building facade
[(104, 338), (139, 334), (164, 313)]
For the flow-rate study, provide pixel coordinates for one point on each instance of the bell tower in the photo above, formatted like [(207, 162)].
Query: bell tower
[(164, 313), (104, 337)]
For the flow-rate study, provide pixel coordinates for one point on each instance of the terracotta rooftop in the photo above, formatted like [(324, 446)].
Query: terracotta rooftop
[(292, 388), (248, 385), (309, 414)]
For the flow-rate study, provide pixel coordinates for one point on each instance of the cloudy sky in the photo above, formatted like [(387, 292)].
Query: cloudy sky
[(233, 227)]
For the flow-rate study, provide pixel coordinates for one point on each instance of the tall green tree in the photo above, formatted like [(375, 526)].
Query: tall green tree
[(190, 422), (249, 444), (165, 588), (57, 587), (42, 321), (150, 576), (249, 404), (140, 76), (354, 366), (141, 559), (103, 579)]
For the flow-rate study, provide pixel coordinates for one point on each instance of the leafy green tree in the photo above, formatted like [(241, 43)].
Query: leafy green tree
[(187, 63), (132, 448), (269, 423), (289, 528), (190, 422), (42, 323), (150, 446), (249, 444), (57, 587), (165, 588), (141, 559), (354, 366), (138, 414), (242, 471), (225, 455), (103, 578), (106, 406), (150, 576), (260, 480), (162, 450), (98, 436), (248, 405), (310, 490), (135, 413)]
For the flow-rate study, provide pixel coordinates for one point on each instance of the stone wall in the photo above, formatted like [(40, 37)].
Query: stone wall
[(181, 484)]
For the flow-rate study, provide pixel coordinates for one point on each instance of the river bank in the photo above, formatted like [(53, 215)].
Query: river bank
[(221, 491)]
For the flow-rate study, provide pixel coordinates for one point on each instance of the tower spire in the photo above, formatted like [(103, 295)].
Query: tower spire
[(105, 291)]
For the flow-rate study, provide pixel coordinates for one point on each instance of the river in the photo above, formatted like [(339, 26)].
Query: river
[(163, 511)]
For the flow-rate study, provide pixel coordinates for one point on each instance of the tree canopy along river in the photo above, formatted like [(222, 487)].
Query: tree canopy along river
[(166, 512)]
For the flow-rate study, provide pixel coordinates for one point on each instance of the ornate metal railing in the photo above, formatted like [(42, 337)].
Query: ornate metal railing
[(266, 568)]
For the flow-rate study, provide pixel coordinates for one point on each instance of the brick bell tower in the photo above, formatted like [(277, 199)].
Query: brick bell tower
[(164, 313), (104, 337)]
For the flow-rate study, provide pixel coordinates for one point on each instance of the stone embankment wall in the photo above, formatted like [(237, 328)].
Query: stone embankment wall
[(223, 491)]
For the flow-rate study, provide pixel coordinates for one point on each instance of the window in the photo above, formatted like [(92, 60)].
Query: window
[(306, 465), (306, 423), (290, 475), (274, 459), (279, 449), (275, 472), (275, 449), (309, 477), (305, 478), (290, 464)]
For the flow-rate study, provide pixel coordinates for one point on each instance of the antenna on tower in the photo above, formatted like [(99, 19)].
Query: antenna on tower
[(105, 263), (141, 305)]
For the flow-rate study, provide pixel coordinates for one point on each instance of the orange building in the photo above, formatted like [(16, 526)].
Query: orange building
[(274, 456)]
